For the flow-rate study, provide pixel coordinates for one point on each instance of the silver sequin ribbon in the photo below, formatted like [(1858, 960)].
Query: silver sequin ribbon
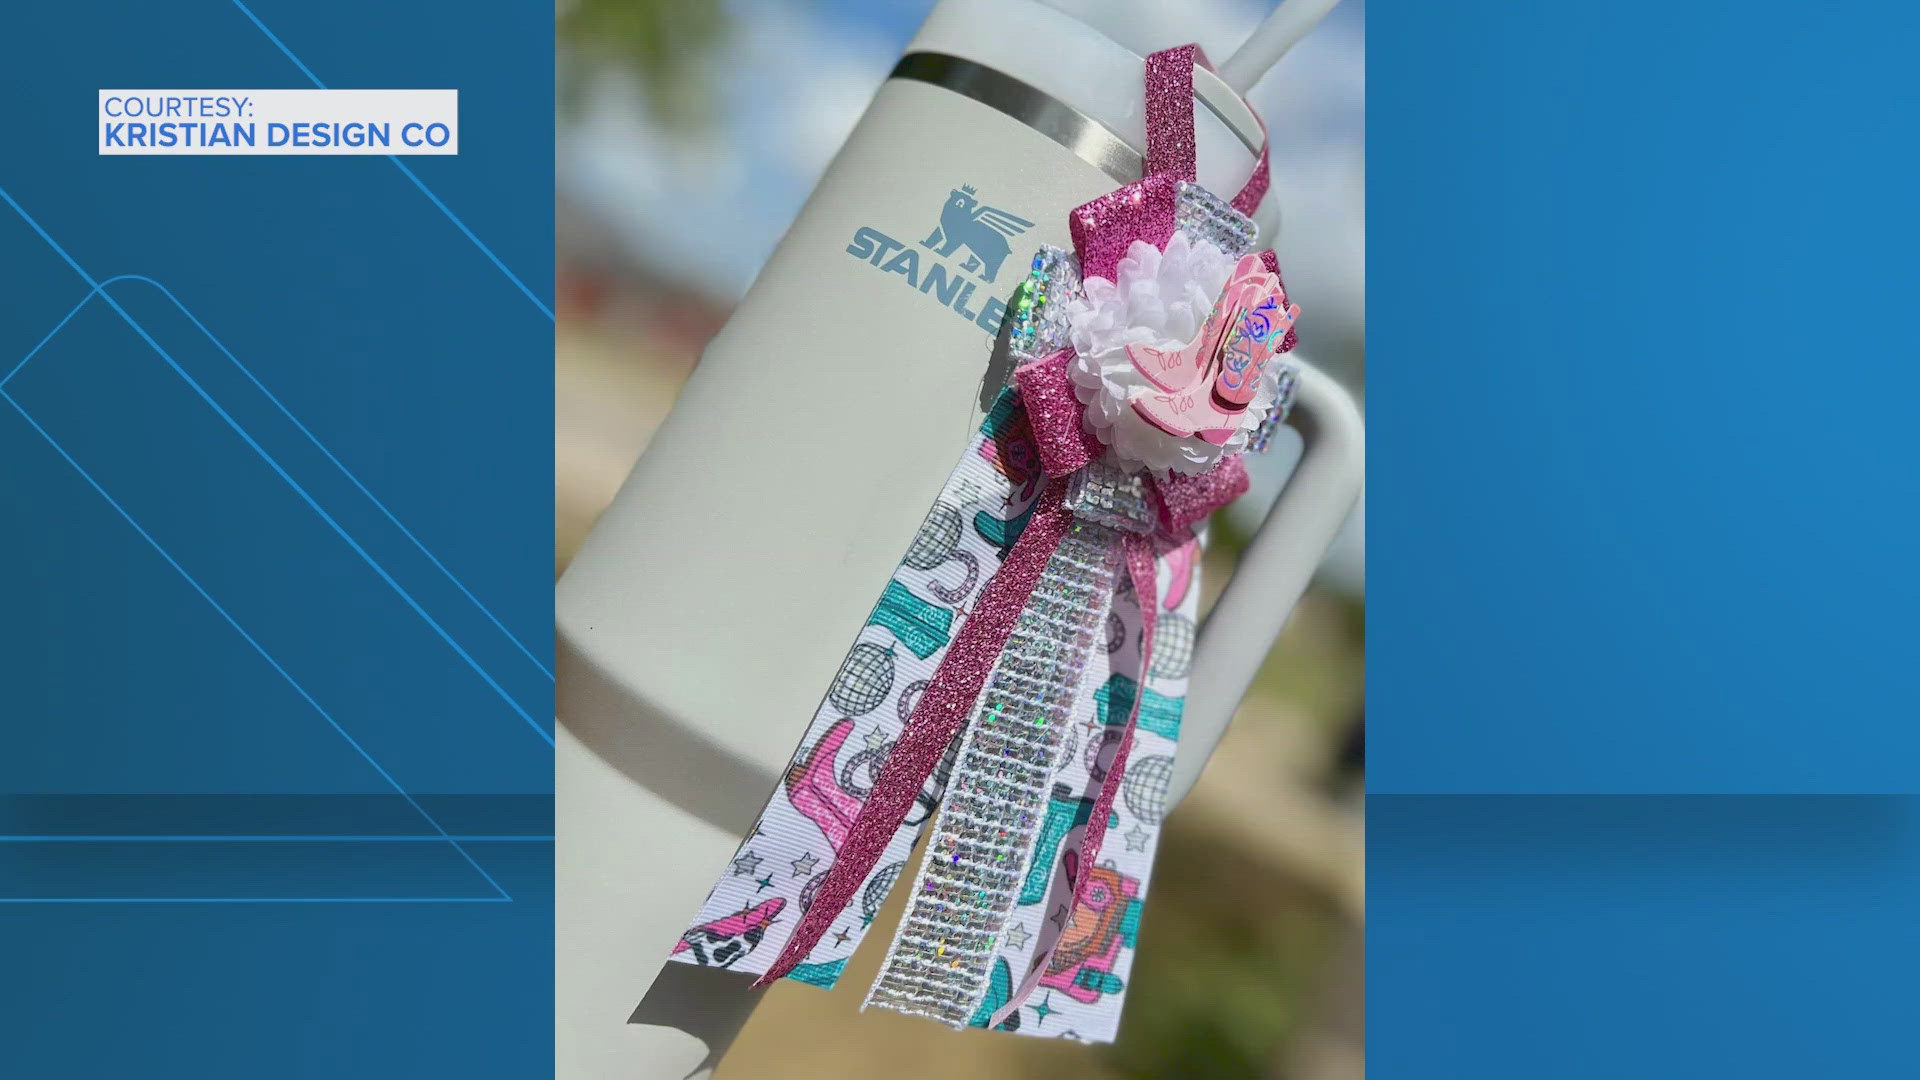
[(977, 854)]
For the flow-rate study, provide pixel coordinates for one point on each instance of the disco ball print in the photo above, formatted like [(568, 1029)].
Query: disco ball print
[(937, 538), (1172, 646), (859, 772), (1100, 753), (877, 888), (1145, 788), (863, 681), (909, 697)]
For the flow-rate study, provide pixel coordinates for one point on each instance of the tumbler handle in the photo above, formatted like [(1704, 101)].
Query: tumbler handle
[(1274, 569)]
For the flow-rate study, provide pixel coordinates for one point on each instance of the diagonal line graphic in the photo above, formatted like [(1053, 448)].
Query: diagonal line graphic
[(311, 437), (292, 838), (252, 641), (402, 166), (51, 334), (280, 471), (502, 899)]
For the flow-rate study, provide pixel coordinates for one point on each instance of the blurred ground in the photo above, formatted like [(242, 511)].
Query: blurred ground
[(1250, 952)]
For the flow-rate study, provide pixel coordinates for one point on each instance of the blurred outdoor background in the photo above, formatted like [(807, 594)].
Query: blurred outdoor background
[(690, 131)]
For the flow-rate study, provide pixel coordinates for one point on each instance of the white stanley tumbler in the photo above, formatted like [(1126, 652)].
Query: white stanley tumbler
[(705, 616)]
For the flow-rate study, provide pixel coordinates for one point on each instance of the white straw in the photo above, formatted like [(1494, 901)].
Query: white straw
[(1281, 31)]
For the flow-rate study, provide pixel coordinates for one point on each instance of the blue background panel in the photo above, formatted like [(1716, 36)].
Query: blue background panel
[(302, 991), (276, 485), (1581, 937), (234, 515), (1640, 390)]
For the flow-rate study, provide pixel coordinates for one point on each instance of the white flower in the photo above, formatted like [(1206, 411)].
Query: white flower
[(1162, 300)]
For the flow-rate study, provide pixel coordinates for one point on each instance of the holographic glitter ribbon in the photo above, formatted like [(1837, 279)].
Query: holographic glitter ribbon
[(977, 856), (1085, 624)]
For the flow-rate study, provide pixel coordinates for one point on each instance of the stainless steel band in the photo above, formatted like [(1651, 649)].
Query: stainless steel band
[(1087, 138)]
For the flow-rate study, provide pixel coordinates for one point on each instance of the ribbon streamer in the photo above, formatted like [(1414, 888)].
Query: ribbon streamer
[(943, 707), (1140, 568), (939, 964), (1085, 623), (1102, 495)]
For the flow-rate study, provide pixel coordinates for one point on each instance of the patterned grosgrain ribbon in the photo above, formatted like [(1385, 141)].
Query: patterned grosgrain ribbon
[(1138, 554), (943, 707), (1065, 450)]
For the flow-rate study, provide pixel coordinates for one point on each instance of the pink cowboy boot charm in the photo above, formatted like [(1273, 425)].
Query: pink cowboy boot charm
[(1202, 387)]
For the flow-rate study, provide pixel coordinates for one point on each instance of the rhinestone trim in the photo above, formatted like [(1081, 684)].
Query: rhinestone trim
[(1262, 436), (970, 879), (1040, 306), (1202, 215), (1112, 496)]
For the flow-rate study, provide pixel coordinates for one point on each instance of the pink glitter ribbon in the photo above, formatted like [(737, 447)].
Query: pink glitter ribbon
[(1104, 228), (1053, 415), (1186, 501), (1170, 145)]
